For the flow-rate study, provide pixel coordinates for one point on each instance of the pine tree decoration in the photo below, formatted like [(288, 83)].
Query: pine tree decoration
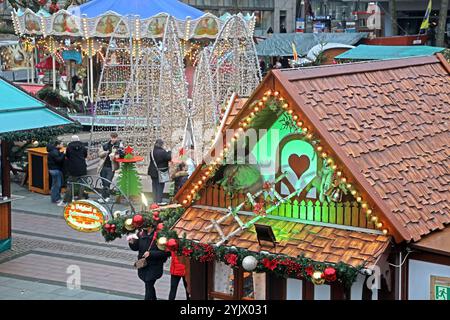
[(129, 181)]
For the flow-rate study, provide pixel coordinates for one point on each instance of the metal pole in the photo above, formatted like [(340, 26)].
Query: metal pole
[(88, 82), (91, 74), (54, 71), (32, 66)]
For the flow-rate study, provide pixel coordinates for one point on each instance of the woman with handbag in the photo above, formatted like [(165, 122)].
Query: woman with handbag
[(159, 169), (150, 259)]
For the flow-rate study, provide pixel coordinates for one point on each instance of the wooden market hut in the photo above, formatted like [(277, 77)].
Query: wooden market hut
[(19, 113), (382, 127)]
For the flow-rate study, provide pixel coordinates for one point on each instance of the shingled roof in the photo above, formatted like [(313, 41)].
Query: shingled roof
[(319, 243), (390, 120), (386, 122)]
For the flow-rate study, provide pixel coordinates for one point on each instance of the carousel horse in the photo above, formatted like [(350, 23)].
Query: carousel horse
[(64, 89), (79, 94), (41, 76)]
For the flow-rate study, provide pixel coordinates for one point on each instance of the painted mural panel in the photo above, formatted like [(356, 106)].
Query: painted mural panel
[(207, 27), (156, 27), (65, 23), (32, 23), (109, 24)]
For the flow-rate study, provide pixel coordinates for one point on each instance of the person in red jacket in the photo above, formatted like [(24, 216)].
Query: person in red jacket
[(177, 272)]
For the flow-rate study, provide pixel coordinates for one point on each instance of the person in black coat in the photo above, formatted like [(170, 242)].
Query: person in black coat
[(55, 162), (158, 158), (154, 256), (76, 154)]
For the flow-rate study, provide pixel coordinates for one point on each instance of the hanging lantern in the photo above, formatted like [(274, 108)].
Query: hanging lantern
[(335, 194), (249, 263)]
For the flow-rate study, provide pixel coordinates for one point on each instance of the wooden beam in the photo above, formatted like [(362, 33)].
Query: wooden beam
[(308, 290), (198, 280), (276, 287)]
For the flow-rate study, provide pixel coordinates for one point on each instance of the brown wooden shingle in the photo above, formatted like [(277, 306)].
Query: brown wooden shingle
[(325, 244)]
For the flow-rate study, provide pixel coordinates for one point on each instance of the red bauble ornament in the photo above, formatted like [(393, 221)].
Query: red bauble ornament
[(172, 244), (159, 227), (138, 221), (54, 8), (329, 274), (42, 2), (309, 270), (154, 206), (107, 227)]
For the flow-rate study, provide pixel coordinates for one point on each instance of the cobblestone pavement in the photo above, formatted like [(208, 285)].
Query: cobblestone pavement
[(46, 254)]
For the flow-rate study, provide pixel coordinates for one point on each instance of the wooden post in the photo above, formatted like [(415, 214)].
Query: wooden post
[(5, 208), (6, 181), (393, 13)]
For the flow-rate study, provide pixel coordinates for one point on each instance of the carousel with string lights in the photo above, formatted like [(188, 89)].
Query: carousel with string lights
[(134, 59)]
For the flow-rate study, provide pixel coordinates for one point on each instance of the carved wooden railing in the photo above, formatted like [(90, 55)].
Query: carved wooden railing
[(342, 213)]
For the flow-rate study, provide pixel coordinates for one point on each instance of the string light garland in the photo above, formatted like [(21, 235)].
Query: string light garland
[(257, 107)]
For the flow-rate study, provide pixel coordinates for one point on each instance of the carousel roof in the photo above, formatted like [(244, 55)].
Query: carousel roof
[(143, 8)]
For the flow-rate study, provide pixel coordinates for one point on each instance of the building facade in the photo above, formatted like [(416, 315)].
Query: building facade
[(274, 14)]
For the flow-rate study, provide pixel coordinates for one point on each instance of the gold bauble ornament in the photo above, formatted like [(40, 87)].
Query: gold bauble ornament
[(117, 214), (129, 224), (161, 244), (317, 278)]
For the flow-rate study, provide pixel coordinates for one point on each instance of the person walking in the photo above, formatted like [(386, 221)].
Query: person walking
[(177, 272), (108, 154), (180, 176), (158, 169), (146, 245), (55, 164), (76, 154)]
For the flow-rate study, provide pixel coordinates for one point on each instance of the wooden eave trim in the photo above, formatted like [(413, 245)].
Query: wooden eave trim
[(350, 168), (444, 62), (240, 115)]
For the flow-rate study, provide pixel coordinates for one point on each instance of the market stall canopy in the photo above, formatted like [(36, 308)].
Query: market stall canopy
[(142, 8), (281, 44), (366, 52), (20, 111)]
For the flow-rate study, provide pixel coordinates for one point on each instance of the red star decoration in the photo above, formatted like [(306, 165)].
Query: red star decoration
[(129, 150)]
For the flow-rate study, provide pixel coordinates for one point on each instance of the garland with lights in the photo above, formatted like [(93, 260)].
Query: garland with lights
[(41, 134), (281, 265)]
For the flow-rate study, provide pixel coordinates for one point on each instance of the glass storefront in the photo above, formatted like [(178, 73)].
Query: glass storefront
[(336, 16)]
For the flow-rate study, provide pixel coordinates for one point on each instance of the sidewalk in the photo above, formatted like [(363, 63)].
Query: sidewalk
[(46, 251)]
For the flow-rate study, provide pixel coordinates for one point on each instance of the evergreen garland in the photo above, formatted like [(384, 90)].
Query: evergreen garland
[(47, 134)]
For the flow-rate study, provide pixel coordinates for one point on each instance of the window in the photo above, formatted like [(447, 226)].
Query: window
[(227, 283), (223, 279)]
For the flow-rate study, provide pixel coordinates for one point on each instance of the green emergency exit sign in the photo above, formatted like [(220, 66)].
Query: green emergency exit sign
[(441, 292)]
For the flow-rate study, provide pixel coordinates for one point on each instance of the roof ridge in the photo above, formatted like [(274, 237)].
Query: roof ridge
[(354, 67)]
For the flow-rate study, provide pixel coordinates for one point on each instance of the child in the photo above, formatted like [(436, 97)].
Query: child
[(180, 176), (177, 272)]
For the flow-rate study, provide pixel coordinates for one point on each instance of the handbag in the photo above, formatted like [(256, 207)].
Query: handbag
[(163, 176), (142, 262)]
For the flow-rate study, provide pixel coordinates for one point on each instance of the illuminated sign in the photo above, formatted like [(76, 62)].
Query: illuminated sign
[(85, 215)]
